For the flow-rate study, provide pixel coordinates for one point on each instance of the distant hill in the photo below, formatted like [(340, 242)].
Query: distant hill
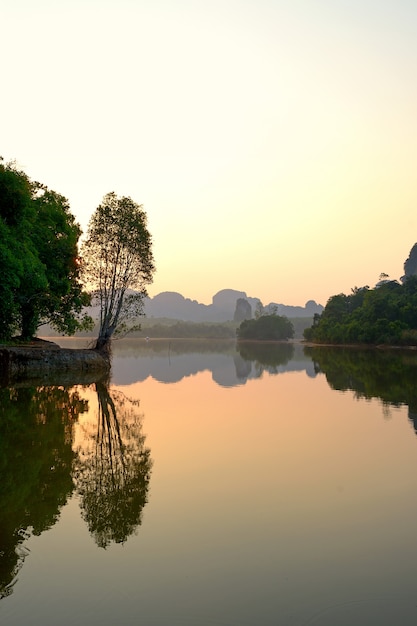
[(170, 305), (173, 305)]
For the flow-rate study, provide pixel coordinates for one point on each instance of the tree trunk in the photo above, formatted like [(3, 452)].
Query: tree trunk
[(29, 321), (103, 345)]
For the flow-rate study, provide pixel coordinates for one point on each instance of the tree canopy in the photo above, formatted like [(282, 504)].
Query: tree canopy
[(38, 259), (118, 263), (383, 315), (266, 327)]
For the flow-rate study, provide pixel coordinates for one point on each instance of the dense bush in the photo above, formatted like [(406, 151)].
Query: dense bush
[(266, 327)]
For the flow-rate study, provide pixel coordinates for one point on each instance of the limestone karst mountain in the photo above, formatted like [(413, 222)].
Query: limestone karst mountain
[(175, 306)]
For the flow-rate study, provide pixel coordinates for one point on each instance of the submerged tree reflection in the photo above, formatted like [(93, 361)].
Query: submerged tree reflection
[(112, 469), (35, 467)]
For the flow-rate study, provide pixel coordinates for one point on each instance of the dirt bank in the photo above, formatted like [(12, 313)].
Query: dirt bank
[(41, 359)]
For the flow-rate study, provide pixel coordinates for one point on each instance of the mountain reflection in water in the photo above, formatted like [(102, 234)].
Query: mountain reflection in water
[(278, 494), (170, 361)]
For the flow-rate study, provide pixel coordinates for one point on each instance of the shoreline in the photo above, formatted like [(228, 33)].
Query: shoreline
[(41, 359)]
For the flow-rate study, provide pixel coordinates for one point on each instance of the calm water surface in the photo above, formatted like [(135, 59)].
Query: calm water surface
[(206, 485)]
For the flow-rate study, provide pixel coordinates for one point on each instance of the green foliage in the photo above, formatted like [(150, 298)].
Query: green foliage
[(56, 239), (384, 315), (118, 263), (266, 327), (15, 195), (38, 259)]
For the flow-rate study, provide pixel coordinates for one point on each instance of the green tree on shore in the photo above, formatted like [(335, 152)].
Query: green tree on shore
[(266, 327), (118, 264), (39, 259), (383, 315)]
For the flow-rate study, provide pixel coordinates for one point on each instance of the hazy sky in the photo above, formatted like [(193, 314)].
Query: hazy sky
[(273, 143)]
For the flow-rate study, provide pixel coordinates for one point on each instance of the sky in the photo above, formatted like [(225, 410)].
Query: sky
[(272, 143)]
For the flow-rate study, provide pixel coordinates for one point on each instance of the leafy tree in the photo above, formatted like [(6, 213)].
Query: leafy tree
[(117, 259), (38, 259), (11, 269), (266, 327), (20, 267), (55, 236), (15, 194)]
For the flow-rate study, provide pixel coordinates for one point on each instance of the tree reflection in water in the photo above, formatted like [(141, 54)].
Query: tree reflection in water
[(266, 356), (36, 459), (39, 467), (389, 375), (112, 469)]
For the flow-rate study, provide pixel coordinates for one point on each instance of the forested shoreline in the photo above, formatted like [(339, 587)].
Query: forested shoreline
[(385, 315), (44, 274)]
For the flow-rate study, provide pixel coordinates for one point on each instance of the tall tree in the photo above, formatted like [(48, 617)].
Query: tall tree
[(118, 264), (38, 259), (18, 259), (56, 235)]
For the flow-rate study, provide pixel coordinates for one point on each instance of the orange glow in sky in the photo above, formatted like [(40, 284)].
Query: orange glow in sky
[(273, 144)]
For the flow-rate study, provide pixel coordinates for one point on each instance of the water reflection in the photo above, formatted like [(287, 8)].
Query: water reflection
[(170, 361), (112, 468), (385, 374), (40, 467), (327, 538), (36, 459), (265, 357)]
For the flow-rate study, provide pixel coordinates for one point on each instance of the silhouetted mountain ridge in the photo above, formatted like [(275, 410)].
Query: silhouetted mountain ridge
[(174, 305)]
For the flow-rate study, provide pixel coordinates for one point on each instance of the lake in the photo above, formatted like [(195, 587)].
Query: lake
[(207, 484)]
